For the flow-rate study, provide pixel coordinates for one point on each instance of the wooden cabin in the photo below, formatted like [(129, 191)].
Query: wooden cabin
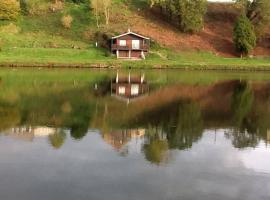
[(130, 45), (129, 87)]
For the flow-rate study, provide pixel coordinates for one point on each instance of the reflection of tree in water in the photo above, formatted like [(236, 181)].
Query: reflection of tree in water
[(79, 118), (58, 139), (68, 108), (188, 127), (9, 115), (177, 126), (251, 121), (242, 101), (155, 147)]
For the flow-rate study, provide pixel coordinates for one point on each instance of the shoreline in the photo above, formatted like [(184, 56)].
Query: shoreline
[(199, 67)]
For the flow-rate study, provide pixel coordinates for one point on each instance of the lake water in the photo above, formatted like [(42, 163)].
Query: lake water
[(154, 135)]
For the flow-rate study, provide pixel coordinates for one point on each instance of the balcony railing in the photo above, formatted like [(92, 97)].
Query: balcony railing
[(144, 47)]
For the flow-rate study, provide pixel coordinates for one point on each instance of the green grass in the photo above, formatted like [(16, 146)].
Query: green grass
[(92, 56)]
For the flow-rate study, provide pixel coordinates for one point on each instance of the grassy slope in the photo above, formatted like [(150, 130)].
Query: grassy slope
[(43, 40)]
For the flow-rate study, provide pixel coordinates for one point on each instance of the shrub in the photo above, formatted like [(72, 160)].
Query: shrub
[(244, 36), (57, 6), (10, 29), (102, 39), (67, 21), (37, 7), (9, 9)]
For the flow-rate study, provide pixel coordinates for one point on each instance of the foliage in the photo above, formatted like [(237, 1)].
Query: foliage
[(101, 8), (189, 14), (258, 12), (10, 29), (242, 101), (102, 39), (37, 7), (67, 21), (243, 35), (57, 139), (9, 9)]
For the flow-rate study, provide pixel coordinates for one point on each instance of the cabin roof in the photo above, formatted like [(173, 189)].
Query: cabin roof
[(130, 33)]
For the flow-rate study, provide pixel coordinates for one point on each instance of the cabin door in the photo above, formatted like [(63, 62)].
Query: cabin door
[(135, 44)]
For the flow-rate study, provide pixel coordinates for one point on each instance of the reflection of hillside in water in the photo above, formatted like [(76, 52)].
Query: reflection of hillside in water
[(169, 117)]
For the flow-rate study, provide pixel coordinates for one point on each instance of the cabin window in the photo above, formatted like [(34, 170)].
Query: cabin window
[(123, 43), (135, 44), (122, 90), (135, 89)]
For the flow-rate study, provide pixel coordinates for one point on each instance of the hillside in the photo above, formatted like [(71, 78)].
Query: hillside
[(44, 37), (216, 37)]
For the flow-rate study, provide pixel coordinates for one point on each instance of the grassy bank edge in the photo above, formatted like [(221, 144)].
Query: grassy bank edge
[(139, 65)]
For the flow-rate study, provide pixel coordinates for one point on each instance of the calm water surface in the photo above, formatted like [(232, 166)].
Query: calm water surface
[(158, 135)]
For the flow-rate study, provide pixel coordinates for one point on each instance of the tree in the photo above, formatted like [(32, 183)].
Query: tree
[(101, 7), (244, 36), (96, 6), (106, 4), (9, 9), (258, 12), (191, 14)]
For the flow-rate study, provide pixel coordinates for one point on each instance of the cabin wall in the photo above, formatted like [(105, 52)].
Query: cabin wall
[(123, 54), (136, 54), (129, 39)]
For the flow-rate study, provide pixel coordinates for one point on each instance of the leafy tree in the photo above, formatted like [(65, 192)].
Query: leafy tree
[(58, 139), (9, 9), (243, 35), (101, 8), (191, 14), (258, 12)]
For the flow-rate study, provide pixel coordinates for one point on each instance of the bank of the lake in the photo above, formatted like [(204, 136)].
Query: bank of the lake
[(97, 58)]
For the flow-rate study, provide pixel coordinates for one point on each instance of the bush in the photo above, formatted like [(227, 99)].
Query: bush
[(10, 29), (37, 7), (9, 9), (57, 6), (102, 39), (67, 21), (244, 36)]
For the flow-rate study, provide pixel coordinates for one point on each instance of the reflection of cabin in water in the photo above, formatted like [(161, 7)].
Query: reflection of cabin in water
[(129, 87)]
